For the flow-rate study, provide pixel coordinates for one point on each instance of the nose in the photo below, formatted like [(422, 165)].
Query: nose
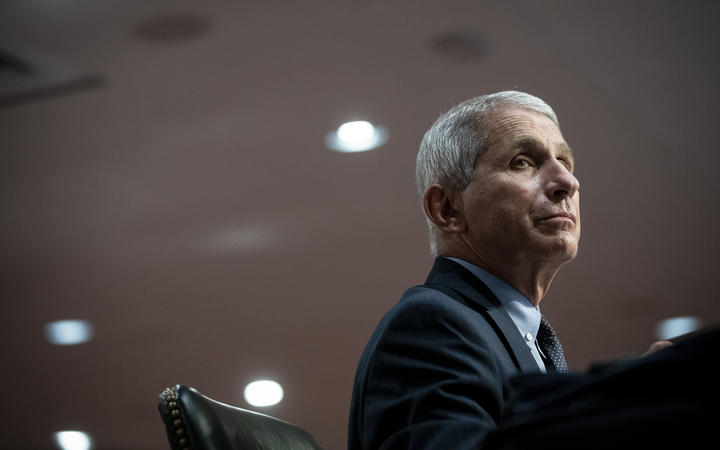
[(561, 183)]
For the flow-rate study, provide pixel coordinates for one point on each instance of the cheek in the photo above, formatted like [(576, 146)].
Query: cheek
[(515, 194), (502, 203), (512, 216)]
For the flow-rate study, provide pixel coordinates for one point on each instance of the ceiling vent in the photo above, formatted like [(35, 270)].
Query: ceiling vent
[(174, 27), (461, 45)]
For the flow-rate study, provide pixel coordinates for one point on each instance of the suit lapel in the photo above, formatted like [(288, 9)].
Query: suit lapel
[(479, 297)]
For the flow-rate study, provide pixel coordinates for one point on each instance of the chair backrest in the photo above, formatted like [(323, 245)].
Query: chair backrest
[(196, 422)]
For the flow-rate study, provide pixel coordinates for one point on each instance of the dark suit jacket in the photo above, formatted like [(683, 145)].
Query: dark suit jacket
[(432, 375)]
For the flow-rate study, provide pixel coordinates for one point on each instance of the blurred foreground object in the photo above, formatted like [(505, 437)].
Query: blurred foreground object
[(665, 400)]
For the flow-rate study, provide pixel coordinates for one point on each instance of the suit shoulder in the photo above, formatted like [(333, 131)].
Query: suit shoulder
[(431, 297), (429, 306)]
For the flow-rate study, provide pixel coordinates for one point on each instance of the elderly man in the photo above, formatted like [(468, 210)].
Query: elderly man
[(497, 186)]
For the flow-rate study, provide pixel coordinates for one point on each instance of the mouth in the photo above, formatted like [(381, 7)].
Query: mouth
[(562, 216)]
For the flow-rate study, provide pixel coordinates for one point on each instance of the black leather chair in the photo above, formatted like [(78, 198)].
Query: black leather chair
[(196, 422)]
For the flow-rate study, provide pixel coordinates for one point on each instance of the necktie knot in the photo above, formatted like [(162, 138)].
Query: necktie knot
[(550, 345)]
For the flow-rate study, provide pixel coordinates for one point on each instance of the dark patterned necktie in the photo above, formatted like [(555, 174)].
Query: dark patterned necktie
[(550, 345)]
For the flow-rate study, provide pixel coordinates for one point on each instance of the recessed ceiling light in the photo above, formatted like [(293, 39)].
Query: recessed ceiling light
[(68, 332), (72, 440), (263, 393), (677, 326), (356, 136)]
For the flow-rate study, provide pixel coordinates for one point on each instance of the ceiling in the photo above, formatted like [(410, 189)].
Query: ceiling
[(164, 177)]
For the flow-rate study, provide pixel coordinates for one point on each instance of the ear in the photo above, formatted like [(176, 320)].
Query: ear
[(443, 208)]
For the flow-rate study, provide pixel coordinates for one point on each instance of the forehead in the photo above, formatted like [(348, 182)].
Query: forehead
[(509, 127)]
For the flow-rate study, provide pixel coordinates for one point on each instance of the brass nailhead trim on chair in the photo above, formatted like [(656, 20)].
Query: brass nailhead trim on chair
[(170, 395)]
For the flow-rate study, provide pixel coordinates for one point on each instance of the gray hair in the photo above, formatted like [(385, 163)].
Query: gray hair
[(452, 145)]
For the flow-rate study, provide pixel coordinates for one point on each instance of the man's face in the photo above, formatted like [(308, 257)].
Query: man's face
[(524, 204)]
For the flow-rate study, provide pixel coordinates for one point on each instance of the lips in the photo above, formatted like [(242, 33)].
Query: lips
[(561, 215)]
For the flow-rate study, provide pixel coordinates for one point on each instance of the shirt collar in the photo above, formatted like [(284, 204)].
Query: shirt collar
[(524, 314)]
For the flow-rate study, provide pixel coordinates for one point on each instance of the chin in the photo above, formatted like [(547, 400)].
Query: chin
[(571, 254), (563, 249)]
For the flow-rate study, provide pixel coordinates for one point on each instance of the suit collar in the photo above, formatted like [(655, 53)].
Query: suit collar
[(454, 275), (448, 273)]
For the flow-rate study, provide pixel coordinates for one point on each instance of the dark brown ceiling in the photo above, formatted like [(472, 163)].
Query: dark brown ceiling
[(179, 195)]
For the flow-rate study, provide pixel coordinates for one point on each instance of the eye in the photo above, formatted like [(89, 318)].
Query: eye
[(521, 162)]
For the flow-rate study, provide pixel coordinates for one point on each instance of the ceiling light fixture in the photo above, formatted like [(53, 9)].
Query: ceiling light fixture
[(72, 440), (356, 136), (68, 332), (676, 326), (263, 393)]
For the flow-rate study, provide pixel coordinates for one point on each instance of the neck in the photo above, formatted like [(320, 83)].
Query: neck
[(531, 276)]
